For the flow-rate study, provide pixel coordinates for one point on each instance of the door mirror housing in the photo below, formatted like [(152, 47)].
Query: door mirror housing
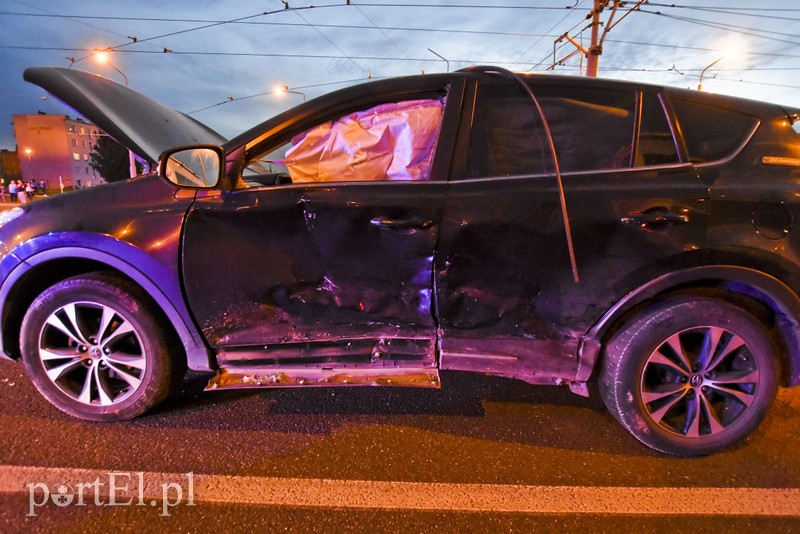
[(198, 167)]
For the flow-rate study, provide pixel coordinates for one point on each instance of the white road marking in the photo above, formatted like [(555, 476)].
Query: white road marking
[(389, 495)]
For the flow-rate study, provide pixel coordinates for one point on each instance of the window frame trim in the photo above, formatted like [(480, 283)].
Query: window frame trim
[(734, 153)]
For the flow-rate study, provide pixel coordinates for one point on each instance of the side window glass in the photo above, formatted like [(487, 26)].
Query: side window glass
[(712, 133), (507, 137), (393, 141), (656, 143), (592, 129)]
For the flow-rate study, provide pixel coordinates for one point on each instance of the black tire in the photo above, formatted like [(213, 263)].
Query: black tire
[(93, 348), (690, 376)]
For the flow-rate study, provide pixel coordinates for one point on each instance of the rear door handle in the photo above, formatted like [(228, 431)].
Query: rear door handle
[(408, 223), (655, 219)]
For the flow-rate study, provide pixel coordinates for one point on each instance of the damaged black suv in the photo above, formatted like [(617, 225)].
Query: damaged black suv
[(546, 228)]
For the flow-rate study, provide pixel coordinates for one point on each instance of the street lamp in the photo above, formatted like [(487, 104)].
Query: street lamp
[(441, 57), (102, 57), (728, 50), (285, 89), (700, 85), (28, 153)]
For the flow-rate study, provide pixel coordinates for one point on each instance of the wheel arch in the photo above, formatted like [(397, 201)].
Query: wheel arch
[(30, 277), (760, 293)]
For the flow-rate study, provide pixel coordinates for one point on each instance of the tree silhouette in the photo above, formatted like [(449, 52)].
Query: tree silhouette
[(110, 159)]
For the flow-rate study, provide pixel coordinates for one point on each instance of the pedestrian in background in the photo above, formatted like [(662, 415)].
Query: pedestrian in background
[(12, 190), (23, 198)]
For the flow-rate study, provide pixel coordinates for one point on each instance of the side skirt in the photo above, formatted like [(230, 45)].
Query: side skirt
[(255, 377), (406, 362), (551, 362)]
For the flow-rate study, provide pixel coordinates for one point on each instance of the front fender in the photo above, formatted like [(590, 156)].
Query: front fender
[(160, 281)]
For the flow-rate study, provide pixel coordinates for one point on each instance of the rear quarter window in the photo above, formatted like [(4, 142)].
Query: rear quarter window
[(712, 133)]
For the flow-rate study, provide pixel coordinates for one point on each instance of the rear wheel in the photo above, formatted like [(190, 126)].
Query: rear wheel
[(93, 348), (690, 375)]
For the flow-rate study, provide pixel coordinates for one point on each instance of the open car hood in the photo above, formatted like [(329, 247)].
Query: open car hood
[(138, 122)]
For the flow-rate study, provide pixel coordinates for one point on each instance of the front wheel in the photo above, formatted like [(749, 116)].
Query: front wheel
[(690, 376), (93, 348)]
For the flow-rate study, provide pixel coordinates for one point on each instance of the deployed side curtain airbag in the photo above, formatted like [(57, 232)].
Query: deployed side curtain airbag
[(393, 141)]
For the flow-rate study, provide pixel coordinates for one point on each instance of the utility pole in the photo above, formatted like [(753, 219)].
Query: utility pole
[(595, 48)]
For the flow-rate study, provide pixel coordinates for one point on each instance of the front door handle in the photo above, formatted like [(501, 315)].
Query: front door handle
[(655, 219), (402, 223)]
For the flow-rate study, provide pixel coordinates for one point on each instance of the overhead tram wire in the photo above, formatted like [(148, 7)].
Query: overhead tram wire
[(380, 30), (206, 26), (179, 52), (230, 100), (732, 10), (751, 32), (616, 41), (208, 22), (473, 6), (296, 10), (722, 25), (722, 78), (261, 54), (249, 20), (298, 24), (345, 54), (743, 30), (76, 19), (53, 14), (577, 5), (248, 97), (315, 6), (697, 48)]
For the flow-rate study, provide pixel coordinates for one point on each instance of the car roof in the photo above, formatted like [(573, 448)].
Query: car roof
[(149, 128)]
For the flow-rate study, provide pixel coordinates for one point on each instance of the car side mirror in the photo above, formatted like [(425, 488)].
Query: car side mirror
[(199, 166)]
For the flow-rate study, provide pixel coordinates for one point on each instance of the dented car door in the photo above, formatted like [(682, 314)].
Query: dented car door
[(520, 284), (338, 252)]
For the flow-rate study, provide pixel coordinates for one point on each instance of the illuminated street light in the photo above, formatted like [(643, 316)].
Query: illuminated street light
[(285, 89), (730, 50), (28, 153), (102, 57)]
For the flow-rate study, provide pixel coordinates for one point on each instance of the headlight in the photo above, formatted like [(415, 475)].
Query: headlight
[(10, 215)]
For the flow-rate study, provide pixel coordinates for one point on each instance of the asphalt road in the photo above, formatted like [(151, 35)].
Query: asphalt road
[(480, 455)]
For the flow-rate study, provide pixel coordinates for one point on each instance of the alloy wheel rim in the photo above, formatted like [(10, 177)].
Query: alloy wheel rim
[(699, 382), (92, 353)]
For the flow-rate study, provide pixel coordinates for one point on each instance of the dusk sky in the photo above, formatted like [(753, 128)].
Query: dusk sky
[(220, 61)]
